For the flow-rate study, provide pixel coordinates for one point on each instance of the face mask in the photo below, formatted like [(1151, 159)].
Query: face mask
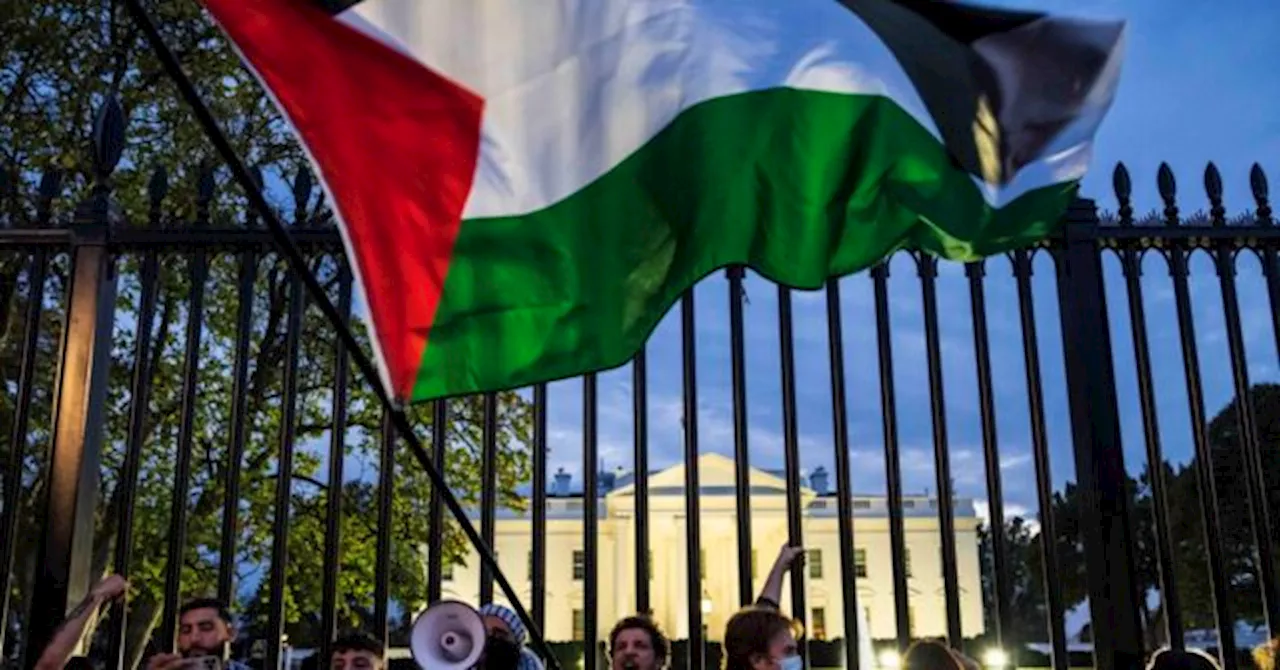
[(501, 654), (791, 663)]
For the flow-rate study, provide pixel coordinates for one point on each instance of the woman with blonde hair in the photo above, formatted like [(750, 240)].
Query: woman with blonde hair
[(1264, 655)]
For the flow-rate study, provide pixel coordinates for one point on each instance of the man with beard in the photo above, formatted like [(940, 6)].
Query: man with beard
[(204, 630), (504, 648)]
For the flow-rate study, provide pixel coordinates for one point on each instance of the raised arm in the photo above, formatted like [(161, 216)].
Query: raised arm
[(64, 641), (788, 557)]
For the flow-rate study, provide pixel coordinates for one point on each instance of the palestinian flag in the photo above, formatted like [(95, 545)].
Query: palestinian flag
[(527, 186)]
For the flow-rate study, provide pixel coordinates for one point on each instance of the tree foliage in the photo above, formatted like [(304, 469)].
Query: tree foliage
[(58, 59)]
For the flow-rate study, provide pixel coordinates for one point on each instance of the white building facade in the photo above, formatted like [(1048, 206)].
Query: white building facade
[(566, 566)]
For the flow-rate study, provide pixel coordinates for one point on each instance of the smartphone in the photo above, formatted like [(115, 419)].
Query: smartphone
[(202, 663)]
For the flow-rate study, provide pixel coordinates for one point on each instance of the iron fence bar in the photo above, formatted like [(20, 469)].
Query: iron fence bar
[(239, 425), (1131, 262), (892, 465), (538, 564), (844, 487), (640, 424), (488, 488), (285, 243), (382, 551), (693, 523), (198, 274), (928, 271), (1246, 425), (284, 473), (791, 453), (337, 454), (435, 508), (139, 412), (21, 419), (1211, 522), (1001, 617), (1114, 604), (590, 523), (1022, 268), (741, 446)]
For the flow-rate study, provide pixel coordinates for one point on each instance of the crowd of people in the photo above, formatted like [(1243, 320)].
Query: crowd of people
[(759, 637)]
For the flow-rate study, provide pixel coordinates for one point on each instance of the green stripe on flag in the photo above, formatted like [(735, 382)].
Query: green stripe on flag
[(798, 185)]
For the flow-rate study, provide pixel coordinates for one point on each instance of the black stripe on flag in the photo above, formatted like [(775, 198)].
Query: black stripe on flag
[(1000, 85), (336, 6)]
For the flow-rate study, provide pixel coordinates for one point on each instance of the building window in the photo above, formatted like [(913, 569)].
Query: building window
[(862, 504), (753, 564), (815, 564), (530, 573), (579, 566), (860, 563), (906, 562), (446, 571), (702, 564), (649, 567), (579, 625), (911, 622), (819, 623), (866, 612)]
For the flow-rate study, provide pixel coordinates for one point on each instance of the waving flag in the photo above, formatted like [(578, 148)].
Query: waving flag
[(527, 186)]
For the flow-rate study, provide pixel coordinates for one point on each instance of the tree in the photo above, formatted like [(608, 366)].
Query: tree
[(1186, 529), (59, 59), (1028, 611)]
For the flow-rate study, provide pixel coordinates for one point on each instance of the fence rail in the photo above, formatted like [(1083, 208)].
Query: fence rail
[(120, 329)]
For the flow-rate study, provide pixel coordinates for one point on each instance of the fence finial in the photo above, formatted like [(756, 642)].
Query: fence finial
[(157, 189), (251, 215), (1213, 188), (1168, 188), (1258, 184), (301, 195), (205, 186), (49, 189), (108, 139), (1123, 187)]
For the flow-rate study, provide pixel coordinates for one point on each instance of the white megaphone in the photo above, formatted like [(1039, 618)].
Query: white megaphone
[(449, 635)]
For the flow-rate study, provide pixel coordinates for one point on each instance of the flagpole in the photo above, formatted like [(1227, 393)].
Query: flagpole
[(298, 262)]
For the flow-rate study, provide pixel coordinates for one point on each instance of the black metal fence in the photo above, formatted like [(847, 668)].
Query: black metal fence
[(175, 412)]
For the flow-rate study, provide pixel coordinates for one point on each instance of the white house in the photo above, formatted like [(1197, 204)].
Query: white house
[(565, 561)]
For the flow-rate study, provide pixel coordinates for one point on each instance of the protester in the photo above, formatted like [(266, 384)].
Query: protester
[(57, 654), (356, 651), (1264, 655), (1182, 659), (505, 647), (204, 629), (637, 643), (931, 655), (761, 637)]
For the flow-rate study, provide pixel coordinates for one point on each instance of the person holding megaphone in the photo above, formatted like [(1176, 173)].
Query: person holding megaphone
[(505, 640), (451, 635)]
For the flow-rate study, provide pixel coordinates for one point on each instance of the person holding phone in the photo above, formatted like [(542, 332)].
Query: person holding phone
[(205, 632)]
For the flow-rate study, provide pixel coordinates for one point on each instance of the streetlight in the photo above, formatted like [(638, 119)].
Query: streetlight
[(890, 660), (706, 605), (996, 658)]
